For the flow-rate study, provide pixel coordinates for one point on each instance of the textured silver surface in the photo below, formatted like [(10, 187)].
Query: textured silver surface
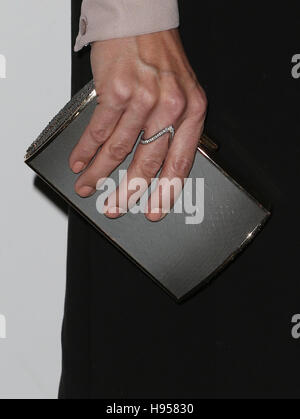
[(64, 117), (177, 256)]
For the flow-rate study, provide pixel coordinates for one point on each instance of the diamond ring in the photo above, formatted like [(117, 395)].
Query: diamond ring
[(170, 130)]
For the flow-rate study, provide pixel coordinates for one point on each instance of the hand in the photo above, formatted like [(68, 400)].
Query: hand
[(142, 82)]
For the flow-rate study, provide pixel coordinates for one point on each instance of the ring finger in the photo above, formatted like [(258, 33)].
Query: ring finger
[(147, 161), (114, 150)]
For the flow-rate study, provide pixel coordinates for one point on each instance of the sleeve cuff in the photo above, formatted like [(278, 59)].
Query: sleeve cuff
[(108, 19)]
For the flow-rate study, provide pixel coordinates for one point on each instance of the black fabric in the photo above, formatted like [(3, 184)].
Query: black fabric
[(122, 336)]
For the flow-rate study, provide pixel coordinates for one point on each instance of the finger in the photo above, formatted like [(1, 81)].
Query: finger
[(178, 163), (115, 150), (146, 163), (100, 128)]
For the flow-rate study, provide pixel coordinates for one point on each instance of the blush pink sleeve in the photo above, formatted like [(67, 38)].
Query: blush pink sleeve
[(108, 19)]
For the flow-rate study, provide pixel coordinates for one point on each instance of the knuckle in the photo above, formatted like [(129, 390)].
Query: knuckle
[(149, 167), (146, 99), (118, 151), (198, 104), (97, 135), (181, 166), (175, 104), (121, 91)]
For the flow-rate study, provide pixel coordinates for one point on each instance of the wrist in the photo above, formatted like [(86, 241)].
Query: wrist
[(111, 19)]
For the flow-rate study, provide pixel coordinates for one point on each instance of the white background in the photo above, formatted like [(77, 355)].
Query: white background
[(35, 39)]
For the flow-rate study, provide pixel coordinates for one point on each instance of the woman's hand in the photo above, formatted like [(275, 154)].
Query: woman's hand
[(142, 82)]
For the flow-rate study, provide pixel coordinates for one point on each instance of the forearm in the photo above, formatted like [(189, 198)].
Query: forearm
[(108, 19)]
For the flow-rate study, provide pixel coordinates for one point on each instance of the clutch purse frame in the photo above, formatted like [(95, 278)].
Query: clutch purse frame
[(179, 257)]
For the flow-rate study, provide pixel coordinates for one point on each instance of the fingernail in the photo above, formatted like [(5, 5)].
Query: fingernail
[(156, 214), (115, 212), (78, 167), (85, 191)]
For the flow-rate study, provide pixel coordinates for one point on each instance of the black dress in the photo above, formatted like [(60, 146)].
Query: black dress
[(122, 336)]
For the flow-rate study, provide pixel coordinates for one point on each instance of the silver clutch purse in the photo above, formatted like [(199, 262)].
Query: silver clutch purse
[(179, 257)]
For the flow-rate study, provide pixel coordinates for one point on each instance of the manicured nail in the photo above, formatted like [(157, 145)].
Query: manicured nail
[(78, 167), (156, 214), (86, 191), (115, 212)]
